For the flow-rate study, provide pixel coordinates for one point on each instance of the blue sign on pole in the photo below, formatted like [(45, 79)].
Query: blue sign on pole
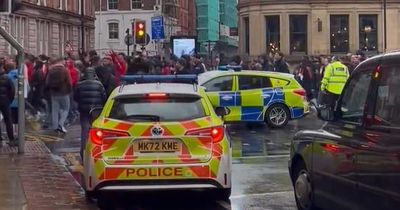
[(157, 28)]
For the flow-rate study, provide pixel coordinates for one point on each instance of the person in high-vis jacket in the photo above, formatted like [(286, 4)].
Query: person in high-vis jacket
[(333, 82)]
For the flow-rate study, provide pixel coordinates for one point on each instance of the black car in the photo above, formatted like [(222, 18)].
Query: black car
[(353, 161)]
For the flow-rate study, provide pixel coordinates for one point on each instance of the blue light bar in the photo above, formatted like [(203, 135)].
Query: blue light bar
[(230, 68), (187, 79)]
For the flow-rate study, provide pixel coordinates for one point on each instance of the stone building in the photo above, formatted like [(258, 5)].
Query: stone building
[(44, 26), (316, 27), (114, 17)]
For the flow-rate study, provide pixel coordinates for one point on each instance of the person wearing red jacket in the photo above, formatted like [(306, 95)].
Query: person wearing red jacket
[(29, 66), (73, 72), (120, 66)]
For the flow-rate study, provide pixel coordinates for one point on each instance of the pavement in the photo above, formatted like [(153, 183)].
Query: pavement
[(47, 176)]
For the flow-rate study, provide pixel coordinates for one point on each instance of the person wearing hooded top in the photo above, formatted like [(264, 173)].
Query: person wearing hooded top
[(89, 93), (106, 78)]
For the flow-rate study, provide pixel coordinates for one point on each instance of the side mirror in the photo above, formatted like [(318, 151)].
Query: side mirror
[(222, 111), (325, 113), (95, 113)]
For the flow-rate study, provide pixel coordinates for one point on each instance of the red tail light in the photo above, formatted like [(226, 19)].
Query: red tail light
[(300, 92), (96, 136), (216, 133)]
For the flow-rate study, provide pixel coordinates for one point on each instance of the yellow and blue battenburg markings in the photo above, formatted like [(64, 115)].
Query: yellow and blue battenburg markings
[(251, 106)]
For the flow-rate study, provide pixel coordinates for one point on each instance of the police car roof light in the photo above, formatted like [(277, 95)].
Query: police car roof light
[(230, 68), (186, 79)]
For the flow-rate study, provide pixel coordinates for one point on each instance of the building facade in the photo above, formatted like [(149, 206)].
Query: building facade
[(45, 26), (114, 17), (317, 27), (215, 19)]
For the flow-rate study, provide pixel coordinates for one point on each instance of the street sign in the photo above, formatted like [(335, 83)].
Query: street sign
[(129, 40), (157, 28)]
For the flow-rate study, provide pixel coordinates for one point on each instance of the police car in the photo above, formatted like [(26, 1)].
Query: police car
[(256, 96), (160, 135)]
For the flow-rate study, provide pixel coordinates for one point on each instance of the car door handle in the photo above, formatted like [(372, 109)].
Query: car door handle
[(266, 96), (226, 98)]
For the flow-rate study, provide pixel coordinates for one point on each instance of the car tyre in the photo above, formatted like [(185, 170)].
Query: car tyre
[(303, 190), (277, 116), (223, 194)]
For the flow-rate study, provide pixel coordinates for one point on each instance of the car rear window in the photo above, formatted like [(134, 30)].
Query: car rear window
[(169, 109)]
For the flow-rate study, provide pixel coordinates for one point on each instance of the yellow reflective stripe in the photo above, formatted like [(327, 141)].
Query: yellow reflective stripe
[(252, 98)]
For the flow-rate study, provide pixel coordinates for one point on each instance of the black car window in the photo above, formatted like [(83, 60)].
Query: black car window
[(388, 98), (355, 96), (253, 82), (219, 84)]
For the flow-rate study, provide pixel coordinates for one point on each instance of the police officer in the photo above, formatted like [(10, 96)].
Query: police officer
[(333, 82)]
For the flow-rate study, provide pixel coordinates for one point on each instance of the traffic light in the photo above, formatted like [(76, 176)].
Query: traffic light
[(140, 32)]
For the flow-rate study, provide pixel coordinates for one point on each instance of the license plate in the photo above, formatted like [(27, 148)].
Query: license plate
[(157, 146)]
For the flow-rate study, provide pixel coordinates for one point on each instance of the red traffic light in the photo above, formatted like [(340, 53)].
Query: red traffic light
[(140, 32), (140, 25)]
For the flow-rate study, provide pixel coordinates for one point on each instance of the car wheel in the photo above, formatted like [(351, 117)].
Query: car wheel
[(277, 116), (303, 190), (223, 194)]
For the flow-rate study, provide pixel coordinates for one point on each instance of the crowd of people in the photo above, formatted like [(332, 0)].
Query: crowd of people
[(65, 89), (61, 90)]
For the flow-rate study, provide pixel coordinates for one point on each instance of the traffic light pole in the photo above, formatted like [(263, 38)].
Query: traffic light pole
[(127, 44)]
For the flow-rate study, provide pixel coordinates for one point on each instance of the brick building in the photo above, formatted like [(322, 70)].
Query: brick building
[(187, 17), (44, 26), (114, 17)]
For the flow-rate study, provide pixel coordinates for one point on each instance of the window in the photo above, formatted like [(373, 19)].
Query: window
[(246, 24), (253, 82), (273, 33), (136, 4), (369, 32), (113, 31), (339, 33), (388, 99), (298, 34), (355, 97), (171, 109), (4, 6), (219, 84), (112, 4)]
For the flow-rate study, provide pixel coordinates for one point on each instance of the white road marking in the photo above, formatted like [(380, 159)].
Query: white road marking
[(259, 194), (262, 156)]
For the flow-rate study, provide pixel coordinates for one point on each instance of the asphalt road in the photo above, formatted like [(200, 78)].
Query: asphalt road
[(260, 175)]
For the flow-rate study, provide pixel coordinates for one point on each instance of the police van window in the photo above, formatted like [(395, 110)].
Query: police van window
[(253, 82), (219, 84), (387, 111), (355, 97)]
